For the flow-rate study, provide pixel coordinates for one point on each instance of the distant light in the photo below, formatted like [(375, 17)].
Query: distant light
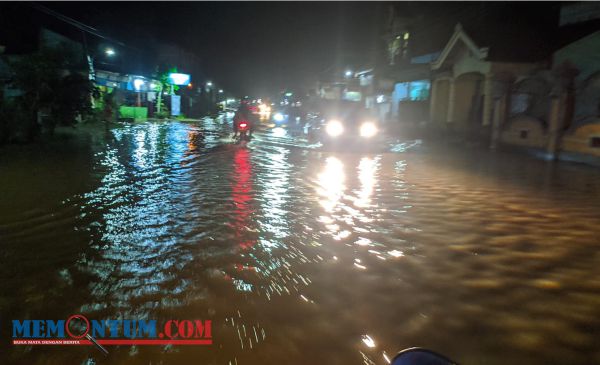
[(190, 85), (278, 117), (138, 83), (288, 94), (220, 91), (110, 52), (406, 35), (264, 109), (209, 84), (153, 86), (348, 73), (179, 79), (380, 99)]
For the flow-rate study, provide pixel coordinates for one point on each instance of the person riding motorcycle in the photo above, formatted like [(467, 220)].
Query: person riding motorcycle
[(243, 114)]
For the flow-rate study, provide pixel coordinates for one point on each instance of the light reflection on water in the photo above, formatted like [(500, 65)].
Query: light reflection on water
[(301, 256), (331, 182)]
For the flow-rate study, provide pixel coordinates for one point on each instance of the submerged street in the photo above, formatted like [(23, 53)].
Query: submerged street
[(300, 255)]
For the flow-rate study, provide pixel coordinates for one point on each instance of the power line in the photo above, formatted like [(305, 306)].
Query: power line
[(77, 24)]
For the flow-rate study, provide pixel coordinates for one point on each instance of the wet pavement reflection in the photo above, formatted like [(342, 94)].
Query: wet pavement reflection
[(301, 255)]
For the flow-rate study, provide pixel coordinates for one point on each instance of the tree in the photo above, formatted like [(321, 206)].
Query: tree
[(162, 74), (50, 86), (71, 98)]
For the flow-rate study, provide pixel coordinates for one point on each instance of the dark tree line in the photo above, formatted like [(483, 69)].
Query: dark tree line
[(50, 89)]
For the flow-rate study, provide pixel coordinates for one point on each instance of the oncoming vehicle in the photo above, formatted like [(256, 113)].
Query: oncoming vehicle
[(345, 124)]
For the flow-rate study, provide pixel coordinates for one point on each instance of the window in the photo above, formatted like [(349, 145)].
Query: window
[(524, 134), (519, 103), (595, 142), (419, 90)]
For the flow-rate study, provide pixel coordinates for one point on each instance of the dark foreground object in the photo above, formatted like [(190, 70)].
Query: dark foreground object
[(419, 356)]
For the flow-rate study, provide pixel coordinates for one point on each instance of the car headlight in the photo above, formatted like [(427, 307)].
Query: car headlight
[(278, 117), (334, 128), (368, 129)]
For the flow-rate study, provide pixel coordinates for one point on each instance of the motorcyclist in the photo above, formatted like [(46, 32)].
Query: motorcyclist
[(243, 113)]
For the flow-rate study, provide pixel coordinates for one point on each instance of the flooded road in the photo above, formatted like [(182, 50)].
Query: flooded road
[(299, 255)]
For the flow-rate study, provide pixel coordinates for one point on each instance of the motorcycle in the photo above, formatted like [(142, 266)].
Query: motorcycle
[(420, 356), (243, 129)]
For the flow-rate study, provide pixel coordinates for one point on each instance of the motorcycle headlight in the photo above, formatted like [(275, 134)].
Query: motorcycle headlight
[(334, 128), (368, 129)]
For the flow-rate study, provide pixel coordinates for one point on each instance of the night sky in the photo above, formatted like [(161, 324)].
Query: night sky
[(245, 47), (257, 48)]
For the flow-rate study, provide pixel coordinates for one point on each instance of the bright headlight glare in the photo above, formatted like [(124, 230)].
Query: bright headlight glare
[(334, 128), (278, 117), (368, 129)]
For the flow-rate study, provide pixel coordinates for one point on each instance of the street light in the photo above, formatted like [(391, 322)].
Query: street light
[(220, 91), (137, 84), (348, 73), (110, 52)]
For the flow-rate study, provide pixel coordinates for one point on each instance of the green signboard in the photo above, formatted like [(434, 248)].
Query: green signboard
[(133, 112)]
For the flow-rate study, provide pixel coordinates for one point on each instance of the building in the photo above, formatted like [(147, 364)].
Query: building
[(471, 74), (579, 47), (507, 89), (397, 87)]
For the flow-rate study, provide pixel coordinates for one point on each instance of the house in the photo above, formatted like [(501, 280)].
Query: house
[(397, 86), (398, 93), (518, 89), (582, 133), (471, 73), (340, 83), (557, 110), (110, 64)]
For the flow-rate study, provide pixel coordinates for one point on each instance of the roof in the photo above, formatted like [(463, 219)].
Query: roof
[(574, 32), (406, 73), (497, 44)]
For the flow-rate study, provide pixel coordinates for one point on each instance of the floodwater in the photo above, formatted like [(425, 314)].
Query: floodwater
[(299, 255)]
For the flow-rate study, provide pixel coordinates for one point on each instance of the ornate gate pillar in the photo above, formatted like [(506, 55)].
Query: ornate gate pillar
[(451, 100)]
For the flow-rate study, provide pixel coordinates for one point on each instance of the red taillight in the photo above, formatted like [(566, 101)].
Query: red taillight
[(243, 125)]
